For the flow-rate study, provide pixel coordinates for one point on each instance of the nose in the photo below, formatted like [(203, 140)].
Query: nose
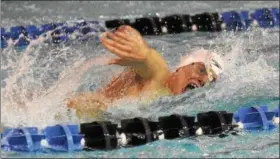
[(202, 80)]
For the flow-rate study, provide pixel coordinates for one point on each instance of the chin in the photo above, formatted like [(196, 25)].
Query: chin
[(176, 91)]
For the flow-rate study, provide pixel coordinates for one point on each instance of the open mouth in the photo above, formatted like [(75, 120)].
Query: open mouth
[(193, 84)]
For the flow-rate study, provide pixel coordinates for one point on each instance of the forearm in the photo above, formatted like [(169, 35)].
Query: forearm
[(153, 68)]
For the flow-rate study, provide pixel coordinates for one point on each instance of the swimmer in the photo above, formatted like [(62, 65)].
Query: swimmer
[(147, 74)]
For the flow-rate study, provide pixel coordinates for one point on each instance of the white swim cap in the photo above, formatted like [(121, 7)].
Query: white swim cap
[(213, 62)]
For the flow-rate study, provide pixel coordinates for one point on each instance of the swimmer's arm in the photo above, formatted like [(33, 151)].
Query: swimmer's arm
[(133, 51), (89, 104), (154, 67)]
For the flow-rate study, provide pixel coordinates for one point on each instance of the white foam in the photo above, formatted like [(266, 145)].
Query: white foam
[(28, 103), (45, 106)]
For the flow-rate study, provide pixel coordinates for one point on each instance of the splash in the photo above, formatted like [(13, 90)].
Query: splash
[(39, 81), (42, 77), (248, 76)]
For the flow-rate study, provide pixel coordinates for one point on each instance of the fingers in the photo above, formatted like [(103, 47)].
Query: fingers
[(125, 36), (71, 103), (124, 62), (113, 61), (119, 61), (114, 50), (128, 29), (116, 42), (114, 47), (126, 43), (118, 39), (117, 45), (130, 32), (123, 27)]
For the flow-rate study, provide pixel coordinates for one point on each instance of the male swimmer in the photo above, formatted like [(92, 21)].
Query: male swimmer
[(147, 75)]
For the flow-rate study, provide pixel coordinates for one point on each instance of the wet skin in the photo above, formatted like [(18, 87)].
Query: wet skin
[(146, 72), (187, 77)]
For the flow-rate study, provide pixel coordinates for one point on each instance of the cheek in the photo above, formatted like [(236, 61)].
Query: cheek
[(177, 84), (177, 79), (203, 78)]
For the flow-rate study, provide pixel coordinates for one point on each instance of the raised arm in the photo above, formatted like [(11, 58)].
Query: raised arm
[(144, 65), (133, 51)]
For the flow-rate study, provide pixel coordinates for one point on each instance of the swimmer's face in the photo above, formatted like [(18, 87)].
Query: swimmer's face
[(188, 77)]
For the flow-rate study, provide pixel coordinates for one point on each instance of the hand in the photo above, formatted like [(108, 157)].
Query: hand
[(87, 104), (128, 44)]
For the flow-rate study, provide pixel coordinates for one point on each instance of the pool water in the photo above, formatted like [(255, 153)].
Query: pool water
[(43, 76)]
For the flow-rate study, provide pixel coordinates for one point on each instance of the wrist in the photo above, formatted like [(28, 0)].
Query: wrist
[(156, 65)]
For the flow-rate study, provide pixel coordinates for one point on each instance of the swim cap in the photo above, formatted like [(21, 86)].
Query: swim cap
[(213, 62)]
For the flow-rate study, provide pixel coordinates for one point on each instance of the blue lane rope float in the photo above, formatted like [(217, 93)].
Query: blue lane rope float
[(254, 118), (21, 139), (83, 30), (266, 17), (62, 138), (105, 135), (21, 36), (276, 117)]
